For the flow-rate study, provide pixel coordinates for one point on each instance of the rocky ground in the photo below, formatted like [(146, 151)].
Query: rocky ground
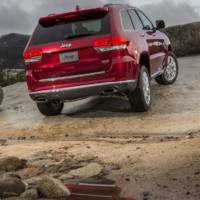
[(155, 155), (167, 170)]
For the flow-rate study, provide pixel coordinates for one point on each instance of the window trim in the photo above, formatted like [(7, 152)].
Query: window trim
[(137, 12), (133, 9), (121, 19), (32, 39)]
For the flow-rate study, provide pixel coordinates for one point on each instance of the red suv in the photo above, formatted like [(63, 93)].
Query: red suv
[(113, 49)]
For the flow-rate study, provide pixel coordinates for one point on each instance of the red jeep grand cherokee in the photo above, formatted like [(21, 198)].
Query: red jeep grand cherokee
[(113, 49)]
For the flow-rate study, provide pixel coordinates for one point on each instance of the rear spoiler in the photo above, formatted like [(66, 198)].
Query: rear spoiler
[(72, 16)]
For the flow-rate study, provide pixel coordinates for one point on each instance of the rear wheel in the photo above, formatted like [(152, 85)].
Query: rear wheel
[(50, 108), (140, 98), (171, 71)]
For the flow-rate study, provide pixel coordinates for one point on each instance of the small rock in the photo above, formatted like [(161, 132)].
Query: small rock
[(53, 168), (49, 187), (189, 137), (65, 177), (145, 194), (1, 95), (3, 141), (32, 182), (197, 173), (10, 187), (11, 175), (30, 194), (69, 163), (86, 158), (165, 186), (88, 171), (21, 138), (30, 172), (10, 164), (128, 179), (188, 193)]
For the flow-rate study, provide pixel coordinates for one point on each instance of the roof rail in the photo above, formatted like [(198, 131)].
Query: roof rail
[(116, 4), (51, 14)]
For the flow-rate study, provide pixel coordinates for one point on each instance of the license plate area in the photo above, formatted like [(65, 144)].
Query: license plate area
[(69, 57)]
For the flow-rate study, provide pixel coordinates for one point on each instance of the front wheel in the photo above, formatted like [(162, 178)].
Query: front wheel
[(171, 71), (140, 98), (50, 108)]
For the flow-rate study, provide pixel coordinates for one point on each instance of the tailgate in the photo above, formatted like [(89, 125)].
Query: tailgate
[(66, 42)]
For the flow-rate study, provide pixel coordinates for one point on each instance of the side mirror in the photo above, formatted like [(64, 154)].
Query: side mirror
[(160, 24)]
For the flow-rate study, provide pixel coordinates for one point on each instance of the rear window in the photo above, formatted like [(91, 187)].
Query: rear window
[(96, 25)]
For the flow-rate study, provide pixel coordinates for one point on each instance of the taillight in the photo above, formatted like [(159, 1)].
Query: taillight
[(110, 44), (33, 55)]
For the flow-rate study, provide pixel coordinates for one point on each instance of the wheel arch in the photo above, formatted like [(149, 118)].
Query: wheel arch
[(169, 47), (145, 60)]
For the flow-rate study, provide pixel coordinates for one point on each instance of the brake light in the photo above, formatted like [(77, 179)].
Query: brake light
[(33, 55), (110, 44)]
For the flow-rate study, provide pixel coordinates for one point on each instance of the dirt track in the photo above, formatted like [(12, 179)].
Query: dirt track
[(157, 152)]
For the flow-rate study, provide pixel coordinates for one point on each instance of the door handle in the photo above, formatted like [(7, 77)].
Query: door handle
[(142, 35)]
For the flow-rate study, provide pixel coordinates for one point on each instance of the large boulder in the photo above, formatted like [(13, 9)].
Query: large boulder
[(11, 164), (185, 39), (11, 186), (51, 188), (1, 95)]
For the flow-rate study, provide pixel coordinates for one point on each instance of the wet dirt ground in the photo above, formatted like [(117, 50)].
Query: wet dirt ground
[(158, 152), (175, 112)]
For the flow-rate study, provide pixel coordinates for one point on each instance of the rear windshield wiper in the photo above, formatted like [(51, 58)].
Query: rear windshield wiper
[(67, 37)]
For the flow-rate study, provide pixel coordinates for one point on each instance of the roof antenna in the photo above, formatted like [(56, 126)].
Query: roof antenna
[(78, 8)]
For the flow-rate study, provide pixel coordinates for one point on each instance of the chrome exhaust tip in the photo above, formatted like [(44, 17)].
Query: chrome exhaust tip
[(41, 100)]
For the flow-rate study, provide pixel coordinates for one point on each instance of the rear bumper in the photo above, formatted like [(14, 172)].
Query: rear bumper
[(82, 91)]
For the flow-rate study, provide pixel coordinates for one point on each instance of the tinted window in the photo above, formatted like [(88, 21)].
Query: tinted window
[(126, 20), (71, 30), (136, 20), (146, 22)]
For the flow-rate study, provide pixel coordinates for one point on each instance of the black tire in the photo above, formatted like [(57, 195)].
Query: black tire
[(164, 79), (50, 108), (137, 97)]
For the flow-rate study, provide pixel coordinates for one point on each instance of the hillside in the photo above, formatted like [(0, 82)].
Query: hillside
[(11, 50), (185, 38)]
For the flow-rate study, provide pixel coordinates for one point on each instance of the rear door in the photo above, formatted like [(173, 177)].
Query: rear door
[(67, 46), (147, 36), (155, 43)]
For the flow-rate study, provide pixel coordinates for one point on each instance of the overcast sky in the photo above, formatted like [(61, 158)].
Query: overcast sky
[(21, 15)]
